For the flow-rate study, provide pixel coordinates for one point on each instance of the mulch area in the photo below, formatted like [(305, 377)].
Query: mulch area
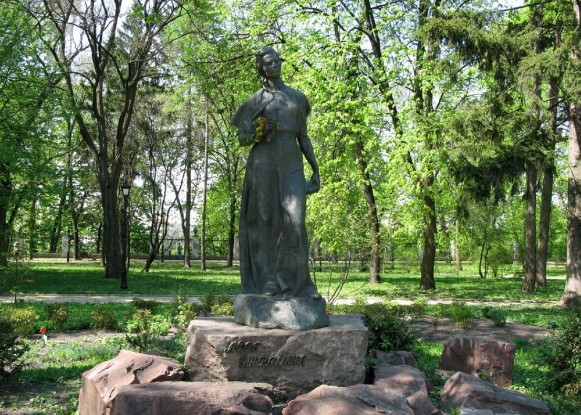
[(438, 330)]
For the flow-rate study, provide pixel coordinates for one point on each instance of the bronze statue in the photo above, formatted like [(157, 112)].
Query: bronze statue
[(273, 237)]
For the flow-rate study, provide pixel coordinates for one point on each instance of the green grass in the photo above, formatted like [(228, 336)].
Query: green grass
[(83, 277)]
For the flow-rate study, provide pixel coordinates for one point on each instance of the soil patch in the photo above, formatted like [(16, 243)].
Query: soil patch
[(438, 330)]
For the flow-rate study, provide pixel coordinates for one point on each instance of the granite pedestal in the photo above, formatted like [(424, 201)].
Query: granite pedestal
[(294, 362)]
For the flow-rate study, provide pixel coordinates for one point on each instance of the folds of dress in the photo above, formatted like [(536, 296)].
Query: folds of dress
[(273, 238)]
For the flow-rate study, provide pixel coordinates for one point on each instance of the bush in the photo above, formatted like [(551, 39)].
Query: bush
[(11, 350), (59, 314), (388, 331), (461, 315), (563, 356), (183, 311), (497, 316), (140, 304), (23, 320), (103, 318), (146, 328)]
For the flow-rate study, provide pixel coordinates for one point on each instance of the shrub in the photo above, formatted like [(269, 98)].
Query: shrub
[(11, 350), (183, 311), (103, 318), (388, 331), (461, 315), (141, 304), (146, 328), (23, 320), (563, 356), (497, 316), (59, 314)]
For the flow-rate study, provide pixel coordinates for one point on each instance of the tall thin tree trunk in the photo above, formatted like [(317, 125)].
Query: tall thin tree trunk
[(5, 193), (231, 231), (572, 292), (205, 196), (189, 161), (427, 281), (530, 260), (372, 217), (32, 227), (111, 234), (457, 256)]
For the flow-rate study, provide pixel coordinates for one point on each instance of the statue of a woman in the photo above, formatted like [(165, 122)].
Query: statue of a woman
[(273, 238)]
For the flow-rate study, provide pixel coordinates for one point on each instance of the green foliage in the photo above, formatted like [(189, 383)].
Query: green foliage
[(562, 354), (497, 316), (23, 318), (460, 313), (11, 349), (183, 311), (141, 304), (59, 314), (103, 318), (215, 304), (144, 328), (388, 331)]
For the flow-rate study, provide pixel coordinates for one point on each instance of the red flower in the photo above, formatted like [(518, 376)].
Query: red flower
[(43, 331)]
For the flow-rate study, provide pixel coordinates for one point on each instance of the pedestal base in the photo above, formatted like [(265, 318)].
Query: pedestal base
[(260, 311), (294, 362)]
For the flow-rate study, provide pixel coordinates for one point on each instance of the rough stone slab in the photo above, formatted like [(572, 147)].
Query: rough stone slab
[(396, 358), (304, 313), (200, 398), (358, 399), (473, 356), (409, 382), (294, 362), (101, 383), (470, 393)]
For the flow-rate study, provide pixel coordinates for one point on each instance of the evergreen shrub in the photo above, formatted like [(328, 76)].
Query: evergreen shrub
[(11, 349), (23, 320)]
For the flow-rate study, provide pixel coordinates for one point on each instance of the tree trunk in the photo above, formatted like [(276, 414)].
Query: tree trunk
[(231, 231), (188, 208), (55, 231), (572, 292), (530, 259), (204, 197), (427, 281), (32, 227), (457, 257), (5, 193), (111, 249), (372, 218)]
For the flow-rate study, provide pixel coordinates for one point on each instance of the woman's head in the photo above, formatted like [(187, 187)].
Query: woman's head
[(267, 57)]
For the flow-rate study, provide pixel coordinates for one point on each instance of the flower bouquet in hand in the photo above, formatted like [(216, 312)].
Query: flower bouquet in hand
[(259, 129)]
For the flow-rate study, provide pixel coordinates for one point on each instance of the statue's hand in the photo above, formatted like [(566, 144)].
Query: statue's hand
[(314, 185)]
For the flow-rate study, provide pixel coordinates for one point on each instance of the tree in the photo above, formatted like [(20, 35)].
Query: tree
[(104, 56), (572, 293)]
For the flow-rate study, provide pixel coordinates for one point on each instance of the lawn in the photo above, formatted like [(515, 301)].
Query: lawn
[(170, 277)]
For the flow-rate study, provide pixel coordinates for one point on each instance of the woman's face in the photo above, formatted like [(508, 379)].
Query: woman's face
[(271, 65)]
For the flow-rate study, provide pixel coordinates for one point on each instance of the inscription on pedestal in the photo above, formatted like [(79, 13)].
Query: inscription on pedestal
[(295, 362), (261, 360)]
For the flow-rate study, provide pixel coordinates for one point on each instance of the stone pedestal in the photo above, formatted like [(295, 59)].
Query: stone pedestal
[(304, 313), (294, 362)]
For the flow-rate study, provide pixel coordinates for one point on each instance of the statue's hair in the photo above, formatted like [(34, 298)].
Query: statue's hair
[(263, 51)]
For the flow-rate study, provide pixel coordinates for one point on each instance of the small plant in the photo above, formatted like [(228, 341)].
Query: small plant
[(562, 355), (145, 328), (418, 308), (183, 311), (141, 304), (59, 314), (461, 315), (103, 318), (11, 349), (223, 308), (388, 331), (497, 316), (23, 319)]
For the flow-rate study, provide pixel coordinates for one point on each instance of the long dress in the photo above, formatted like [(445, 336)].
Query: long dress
[(273, 236)]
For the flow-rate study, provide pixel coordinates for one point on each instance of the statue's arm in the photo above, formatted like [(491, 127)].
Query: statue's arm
[(314, 184)]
